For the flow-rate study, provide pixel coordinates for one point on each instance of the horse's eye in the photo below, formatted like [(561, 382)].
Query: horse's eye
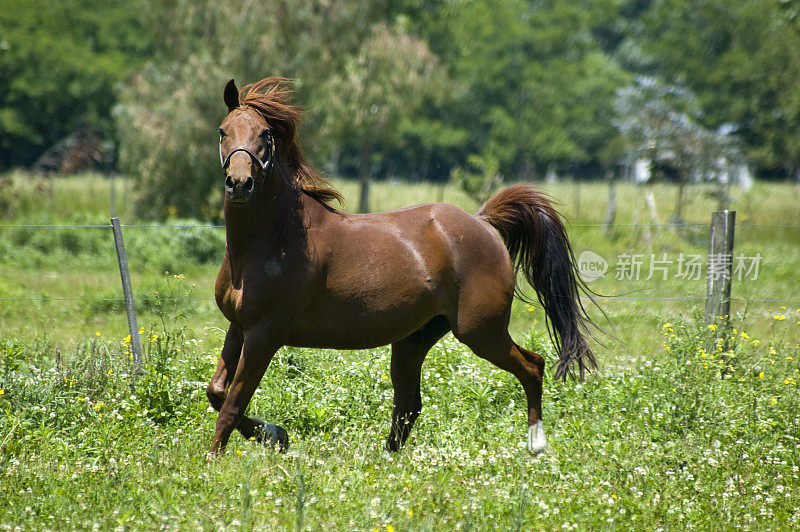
[(264, 133), (221, 134)]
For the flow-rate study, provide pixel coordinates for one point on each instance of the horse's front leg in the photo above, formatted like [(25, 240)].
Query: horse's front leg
[(226, 367), (217, 389), (256, 353)]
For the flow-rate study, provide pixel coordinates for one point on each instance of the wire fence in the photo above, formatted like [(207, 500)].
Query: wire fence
[(162, 226), (604, 298)]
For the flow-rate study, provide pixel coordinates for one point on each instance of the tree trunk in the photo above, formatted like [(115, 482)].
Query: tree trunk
[(679, 202), (364, 177)]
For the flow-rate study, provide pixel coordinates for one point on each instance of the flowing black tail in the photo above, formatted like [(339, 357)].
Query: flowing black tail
[(537, 242)]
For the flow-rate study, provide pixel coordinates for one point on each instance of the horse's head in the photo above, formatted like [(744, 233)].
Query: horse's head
[(258, 145), (246, 148)]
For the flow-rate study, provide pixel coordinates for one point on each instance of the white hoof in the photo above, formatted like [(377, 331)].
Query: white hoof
[(537, 443)]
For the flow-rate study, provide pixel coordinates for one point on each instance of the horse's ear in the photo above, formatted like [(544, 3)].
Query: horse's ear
[(231, 95)]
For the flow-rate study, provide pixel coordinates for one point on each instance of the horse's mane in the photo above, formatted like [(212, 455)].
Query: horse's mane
[(271, 98)]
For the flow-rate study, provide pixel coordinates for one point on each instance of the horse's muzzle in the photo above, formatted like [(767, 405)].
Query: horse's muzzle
[(238, 190)]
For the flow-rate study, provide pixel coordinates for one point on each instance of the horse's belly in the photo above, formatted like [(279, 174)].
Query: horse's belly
[(361, 324)]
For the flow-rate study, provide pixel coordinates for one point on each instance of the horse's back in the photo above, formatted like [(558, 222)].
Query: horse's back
[(439, 237)]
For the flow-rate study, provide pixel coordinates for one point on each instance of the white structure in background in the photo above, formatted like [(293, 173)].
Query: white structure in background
[(640, 172), (739, 175), (551, 176)]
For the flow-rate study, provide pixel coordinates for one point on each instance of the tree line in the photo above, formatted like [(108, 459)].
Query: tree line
[(473, 90)]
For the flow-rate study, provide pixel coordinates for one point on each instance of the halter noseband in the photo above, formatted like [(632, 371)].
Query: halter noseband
[(264, 165)]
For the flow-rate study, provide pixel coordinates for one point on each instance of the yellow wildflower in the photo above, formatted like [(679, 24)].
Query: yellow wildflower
[(761, 375), (712, 327), (410, 512), (779, 317), (2, 391)]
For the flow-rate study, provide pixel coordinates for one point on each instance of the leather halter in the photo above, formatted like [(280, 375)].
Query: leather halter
[(264, 165)]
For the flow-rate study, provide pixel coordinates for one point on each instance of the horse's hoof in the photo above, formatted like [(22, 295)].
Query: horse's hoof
[(537, 443), (272, 435), (390, 446)]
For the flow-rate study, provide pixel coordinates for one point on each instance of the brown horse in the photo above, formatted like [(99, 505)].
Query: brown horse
[(298, 272)]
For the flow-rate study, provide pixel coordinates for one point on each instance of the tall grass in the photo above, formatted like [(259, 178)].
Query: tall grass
[(695, 436)]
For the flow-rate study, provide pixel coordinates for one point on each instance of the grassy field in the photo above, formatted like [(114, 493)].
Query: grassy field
[(673, 431)]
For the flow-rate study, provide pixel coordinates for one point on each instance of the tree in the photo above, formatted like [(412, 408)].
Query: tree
[(532, 84), (742, 59), (662, 124), (380, 85), (169, 114), (59, 65)]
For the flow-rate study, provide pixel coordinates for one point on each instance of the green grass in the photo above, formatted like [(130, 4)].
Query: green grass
[(662, 436), (684, 439)]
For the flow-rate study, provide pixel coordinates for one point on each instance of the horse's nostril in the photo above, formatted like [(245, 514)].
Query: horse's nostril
[(248, 185), (228, 182)]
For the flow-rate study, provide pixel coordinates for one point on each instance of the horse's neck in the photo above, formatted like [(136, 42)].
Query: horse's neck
[(255, 225)]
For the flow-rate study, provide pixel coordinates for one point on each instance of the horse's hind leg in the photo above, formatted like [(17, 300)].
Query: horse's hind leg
[(217, 389), (407, 357), (497, 347)]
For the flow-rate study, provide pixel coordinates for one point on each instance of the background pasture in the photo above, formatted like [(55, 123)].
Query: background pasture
[(672, 431)]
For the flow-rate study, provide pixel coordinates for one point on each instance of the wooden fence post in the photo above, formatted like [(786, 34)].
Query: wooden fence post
[(720, 266), (133, 327)]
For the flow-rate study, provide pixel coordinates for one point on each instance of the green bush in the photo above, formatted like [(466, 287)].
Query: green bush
[(174, 246)]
